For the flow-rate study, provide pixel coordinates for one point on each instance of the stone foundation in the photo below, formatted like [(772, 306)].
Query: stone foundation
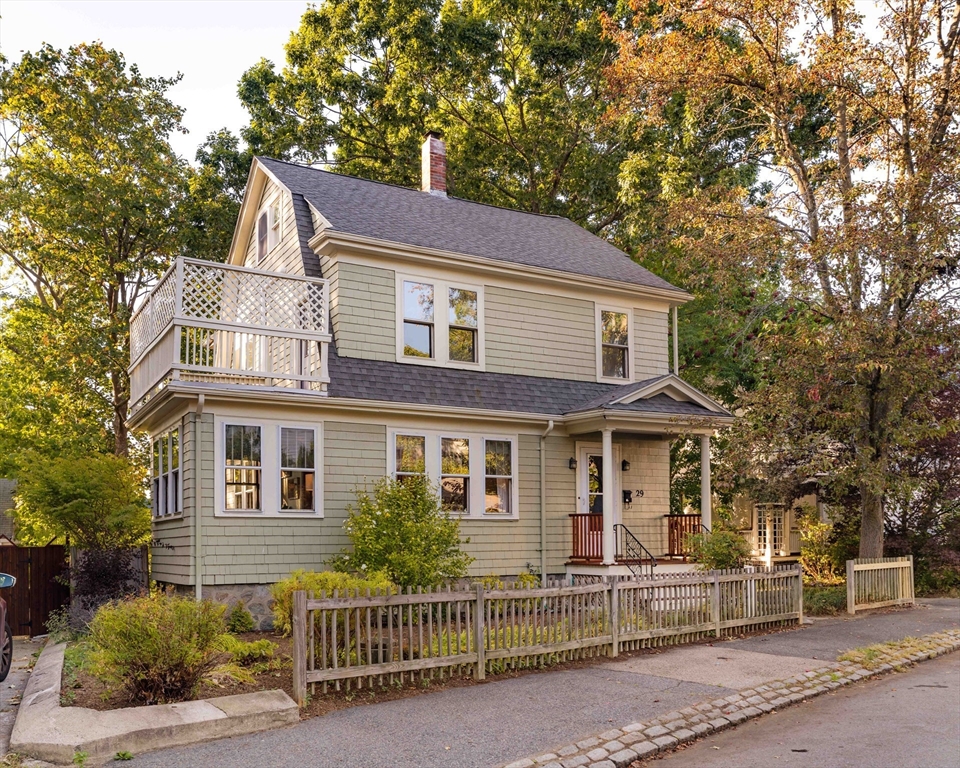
[(255, 598)]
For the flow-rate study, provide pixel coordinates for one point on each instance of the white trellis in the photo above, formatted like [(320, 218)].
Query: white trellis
[(217, 323)]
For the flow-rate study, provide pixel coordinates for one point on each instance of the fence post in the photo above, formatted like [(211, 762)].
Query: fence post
[(800, 594), (478, 636), (851, 587), (716, 600), (910, 577), (615, 615), (300, 647)]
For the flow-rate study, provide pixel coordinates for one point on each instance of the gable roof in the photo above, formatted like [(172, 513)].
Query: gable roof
[(410, 217), (386, 381)]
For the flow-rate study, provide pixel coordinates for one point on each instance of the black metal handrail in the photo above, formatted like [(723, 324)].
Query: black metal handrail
[(631, 549)]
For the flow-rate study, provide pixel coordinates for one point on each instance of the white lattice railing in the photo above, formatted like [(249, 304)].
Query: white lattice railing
[(212, 322)]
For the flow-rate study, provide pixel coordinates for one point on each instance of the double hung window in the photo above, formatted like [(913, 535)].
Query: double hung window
[(439, 322), (242, 467), (614, 344), (297, 468), (269, 468), (268, 230), (474, 474), (165, 464)]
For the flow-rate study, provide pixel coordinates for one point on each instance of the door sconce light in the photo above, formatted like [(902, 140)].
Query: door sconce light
[(625, 465), (572, 463)]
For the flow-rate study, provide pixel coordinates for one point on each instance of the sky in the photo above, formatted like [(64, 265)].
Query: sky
[(210, 42)]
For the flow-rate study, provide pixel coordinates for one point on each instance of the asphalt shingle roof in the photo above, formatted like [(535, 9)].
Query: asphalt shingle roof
[(386, 381), (411, 217)]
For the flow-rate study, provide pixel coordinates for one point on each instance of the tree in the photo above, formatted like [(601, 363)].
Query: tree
[(90, 194), (861, 220), (515, 87), (97, 501), (215, 191)]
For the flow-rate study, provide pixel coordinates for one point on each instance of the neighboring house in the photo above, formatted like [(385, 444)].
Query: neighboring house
[(361, 329), (7, 489), (773, 528)]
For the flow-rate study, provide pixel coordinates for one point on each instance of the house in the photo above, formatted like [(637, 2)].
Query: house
[(359, 329)]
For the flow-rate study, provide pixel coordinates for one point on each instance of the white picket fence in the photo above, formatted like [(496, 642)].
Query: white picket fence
[(879, 582), (378, 638)]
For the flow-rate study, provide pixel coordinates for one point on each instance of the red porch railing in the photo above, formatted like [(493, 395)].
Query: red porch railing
[(587, 538), (678, 528)]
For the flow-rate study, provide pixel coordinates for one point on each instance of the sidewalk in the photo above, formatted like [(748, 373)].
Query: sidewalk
[(11, 689), (506, 720)]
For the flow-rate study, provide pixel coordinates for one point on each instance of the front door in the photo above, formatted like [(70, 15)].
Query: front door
[(590, 490)]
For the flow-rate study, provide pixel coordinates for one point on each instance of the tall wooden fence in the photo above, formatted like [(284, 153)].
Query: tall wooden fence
[(376, 638), (39, 590), (879, 582)]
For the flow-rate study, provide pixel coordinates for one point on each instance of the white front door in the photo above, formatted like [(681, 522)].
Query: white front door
[(590, 490)]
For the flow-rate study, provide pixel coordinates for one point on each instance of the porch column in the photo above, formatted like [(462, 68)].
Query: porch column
[(609, 542), (706, 514)]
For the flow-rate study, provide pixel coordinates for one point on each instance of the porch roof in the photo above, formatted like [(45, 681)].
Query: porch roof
[(387, 381)]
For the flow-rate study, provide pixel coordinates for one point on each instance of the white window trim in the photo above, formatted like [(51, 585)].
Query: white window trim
[(631, 361), (441, 324), (274, 225), (432, 460), (269, 468), (158, 516)]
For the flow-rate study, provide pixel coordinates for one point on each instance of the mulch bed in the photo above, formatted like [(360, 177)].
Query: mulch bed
[(87, 691)]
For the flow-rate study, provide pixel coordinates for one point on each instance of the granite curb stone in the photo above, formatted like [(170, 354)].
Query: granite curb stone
[(50, 732), (664, 733)]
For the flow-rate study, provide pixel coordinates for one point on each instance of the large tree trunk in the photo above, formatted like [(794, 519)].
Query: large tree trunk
[(871, 523), (121, 399)]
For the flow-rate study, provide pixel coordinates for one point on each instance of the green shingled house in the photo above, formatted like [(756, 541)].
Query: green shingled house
[(360, 329)]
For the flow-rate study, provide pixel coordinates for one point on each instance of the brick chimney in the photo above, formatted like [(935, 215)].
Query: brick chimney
[(433, 165)]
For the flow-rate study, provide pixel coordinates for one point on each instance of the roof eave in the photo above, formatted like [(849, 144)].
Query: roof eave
[(328, 240)]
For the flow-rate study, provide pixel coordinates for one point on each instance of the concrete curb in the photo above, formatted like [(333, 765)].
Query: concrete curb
[(47, 731), (620, 747)]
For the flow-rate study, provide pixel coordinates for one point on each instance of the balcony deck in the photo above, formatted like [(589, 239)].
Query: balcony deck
[(210, 322)]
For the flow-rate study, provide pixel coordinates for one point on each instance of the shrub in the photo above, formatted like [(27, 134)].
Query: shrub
[(97, 501), (824, 600), (402, 531), (246, 653), (818, 555), (240, 620), (158, 648), (317, 582), (718, 550)]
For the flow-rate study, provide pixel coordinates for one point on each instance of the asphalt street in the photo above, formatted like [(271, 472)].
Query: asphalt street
[(503, 720), (906, 720)]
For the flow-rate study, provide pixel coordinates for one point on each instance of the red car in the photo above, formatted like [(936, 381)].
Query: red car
[(6, 637)]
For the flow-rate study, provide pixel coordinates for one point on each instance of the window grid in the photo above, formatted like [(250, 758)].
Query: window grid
[(614, 344), (165, 469), (498, 477), (455, 474), (418, 320), (297, 468), (243, 471)]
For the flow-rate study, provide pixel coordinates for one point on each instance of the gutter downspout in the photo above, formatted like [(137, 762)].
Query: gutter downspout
[(543, 504), (197, 507), (676, 344)]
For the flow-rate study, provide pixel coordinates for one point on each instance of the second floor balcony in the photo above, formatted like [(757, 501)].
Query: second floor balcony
[(210, 322)]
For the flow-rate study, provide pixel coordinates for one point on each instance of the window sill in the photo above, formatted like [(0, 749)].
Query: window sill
[(433, 362), (613, 380), (486, 517), (164, 518), (287, 514)]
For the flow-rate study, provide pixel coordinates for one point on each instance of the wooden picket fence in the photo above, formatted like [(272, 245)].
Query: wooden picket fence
[(379, 638), (879, 582)]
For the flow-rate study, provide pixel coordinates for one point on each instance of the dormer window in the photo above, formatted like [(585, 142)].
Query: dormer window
[(431, 333), (614, 344)]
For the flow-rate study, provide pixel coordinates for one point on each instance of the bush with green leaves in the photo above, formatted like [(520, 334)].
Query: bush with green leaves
[(818, 554), (319, 582), (97, 500), (824, 600), (240, 620), (718, 550), (401, 529), (158, 648)]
